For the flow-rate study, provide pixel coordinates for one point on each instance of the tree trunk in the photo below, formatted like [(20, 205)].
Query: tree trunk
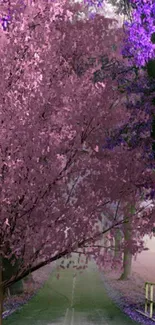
[(106, 244), (127, 259), (1, 289), (118, 239), (117, 257), (127, 266), (9, 270)]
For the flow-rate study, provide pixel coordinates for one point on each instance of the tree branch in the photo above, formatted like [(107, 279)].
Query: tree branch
[(31, 269), (67, 201)]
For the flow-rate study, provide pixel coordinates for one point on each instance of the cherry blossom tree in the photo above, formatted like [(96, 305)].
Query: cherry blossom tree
[(126, 240), (56, 179)]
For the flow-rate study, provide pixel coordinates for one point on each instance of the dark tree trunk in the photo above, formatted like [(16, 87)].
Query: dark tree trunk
[(9, 270), (1, 289)]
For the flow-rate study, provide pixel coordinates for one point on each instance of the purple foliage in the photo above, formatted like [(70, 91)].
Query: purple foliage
[(91, 3), (139, 31)]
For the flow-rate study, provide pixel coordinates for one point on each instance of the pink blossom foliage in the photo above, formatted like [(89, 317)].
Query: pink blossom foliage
[(55, 179)]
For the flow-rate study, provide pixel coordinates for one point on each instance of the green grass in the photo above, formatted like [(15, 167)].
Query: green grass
[(90, 303)]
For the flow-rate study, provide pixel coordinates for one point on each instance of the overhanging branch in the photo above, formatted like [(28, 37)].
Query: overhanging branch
[(31, 269)]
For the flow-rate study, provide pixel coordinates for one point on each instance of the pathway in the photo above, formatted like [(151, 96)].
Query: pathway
[(71, 300)]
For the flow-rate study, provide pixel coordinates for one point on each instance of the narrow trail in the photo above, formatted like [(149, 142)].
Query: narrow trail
[(71, 300)]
